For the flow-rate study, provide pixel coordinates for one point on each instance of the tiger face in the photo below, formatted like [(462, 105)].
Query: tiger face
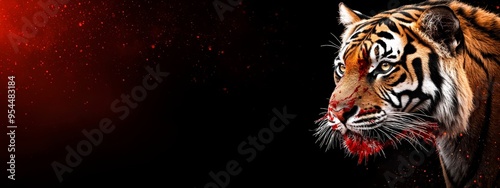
[(393, 83)]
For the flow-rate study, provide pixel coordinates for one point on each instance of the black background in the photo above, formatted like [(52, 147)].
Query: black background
[(226, 77)]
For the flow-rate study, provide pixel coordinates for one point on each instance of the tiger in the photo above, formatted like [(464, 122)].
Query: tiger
[(423, 72)]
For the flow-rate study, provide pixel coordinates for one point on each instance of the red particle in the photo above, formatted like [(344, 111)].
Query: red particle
[(209, 48), (153, 46), (197, 36)]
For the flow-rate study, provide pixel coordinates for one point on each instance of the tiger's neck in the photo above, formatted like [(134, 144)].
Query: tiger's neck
[(474, 154)]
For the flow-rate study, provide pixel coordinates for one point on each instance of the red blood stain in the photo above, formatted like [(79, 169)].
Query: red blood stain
[(363, 65), (330, 118), (333, 104), (429, 135), (355, 91), (348, 102), (367, 111), (335, 127), (364, 147), (340, 114), (366, 90), (362, 70)]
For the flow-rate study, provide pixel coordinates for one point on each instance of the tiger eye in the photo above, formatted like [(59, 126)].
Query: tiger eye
[(342, 68), (385, 66)]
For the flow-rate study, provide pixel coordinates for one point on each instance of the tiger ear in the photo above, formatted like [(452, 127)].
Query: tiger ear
[(349, 16), (442, 25)]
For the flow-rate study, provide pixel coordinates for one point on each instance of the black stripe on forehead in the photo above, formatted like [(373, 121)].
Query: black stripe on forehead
[(406, 14), (362, 33), (354, 37), (384, 34), (368, 27), (390, 24)]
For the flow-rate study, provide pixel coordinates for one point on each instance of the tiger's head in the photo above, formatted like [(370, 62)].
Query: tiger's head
[(398, 77)]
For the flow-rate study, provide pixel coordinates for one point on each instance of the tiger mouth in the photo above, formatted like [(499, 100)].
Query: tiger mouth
[(363, 147), (354, 134), (367, 134), (367, 121), (356, 140), (359, 134)]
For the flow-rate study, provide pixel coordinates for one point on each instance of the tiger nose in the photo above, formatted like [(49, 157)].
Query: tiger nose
[(345, 113)]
